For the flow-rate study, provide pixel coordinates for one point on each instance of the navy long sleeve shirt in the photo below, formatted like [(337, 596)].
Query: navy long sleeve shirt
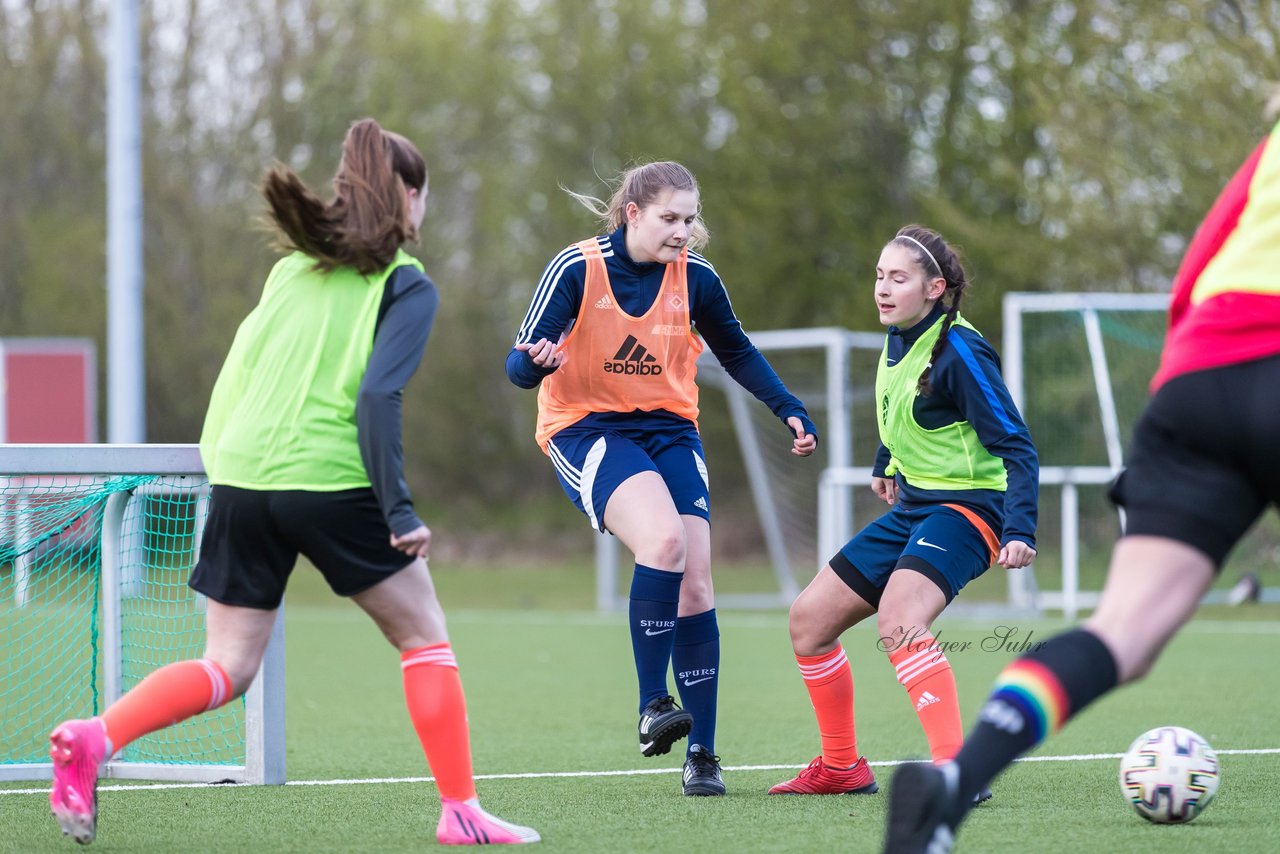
[(405, 315), (635, 285), (968, 386)]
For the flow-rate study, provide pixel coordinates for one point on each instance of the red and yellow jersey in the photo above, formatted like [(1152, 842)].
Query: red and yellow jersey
[(1226, 296), (615, 362)]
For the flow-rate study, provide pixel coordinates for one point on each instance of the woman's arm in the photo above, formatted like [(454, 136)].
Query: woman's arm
[(554, 305), (715, 321), (974, 381), (408, 312)]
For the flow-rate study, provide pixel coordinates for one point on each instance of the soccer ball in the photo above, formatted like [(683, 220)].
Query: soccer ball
[(1169, 775)]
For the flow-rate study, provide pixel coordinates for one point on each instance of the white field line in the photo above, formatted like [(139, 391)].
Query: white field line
[(637, 772)]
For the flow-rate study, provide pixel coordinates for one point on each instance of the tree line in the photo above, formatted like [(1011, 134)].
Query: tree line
[(1064, 145)]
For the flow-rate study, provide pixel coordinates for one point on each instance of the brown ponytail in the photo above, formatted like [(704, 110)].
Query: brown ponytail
[(939, 260), (368, 218)]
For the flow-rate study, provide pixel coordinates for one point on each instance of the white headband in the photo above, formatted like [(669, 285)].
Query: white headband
[(936, 265)]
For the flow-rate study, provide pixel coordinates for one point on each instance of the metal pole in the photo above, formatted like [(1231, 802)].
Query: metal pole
[(112, 620), (758, 478), (606, 572), (264, 754), (839, 448), (1102, 384), (126, 411), (1018, 584), (1070, 551)]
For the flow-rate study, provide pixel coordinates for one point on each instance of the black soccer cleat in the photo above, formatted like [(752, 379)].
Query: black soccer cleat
[(983, 796), (923, 813), (662, 724), (702, 772)]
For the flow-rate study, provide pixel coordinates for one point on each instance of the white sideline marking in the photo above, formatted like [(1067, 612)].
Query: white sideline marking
[(636, 772)]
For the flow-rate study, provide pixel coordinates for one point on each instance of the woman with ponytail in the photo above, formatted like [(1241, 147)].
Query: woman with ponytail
[(959, 472), (1201, 470), (302, 446), (611, 341)]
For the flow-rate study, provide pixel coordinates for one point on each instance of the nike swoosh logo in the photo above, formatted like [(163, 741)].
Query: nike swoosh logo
[(921, 542), (651, 632), (696, 681)]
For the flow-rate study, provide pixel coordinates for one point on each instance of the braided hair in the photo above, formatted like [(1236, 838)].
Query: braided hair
[(936, 258)]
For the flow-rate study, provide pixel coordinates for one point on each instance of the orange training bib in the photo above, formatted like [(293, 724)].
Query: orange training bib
[(619, 363)]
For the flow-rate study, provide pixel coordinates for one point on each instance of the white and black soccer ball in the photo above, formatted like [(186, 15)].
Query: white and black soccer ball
[(1169, 774)]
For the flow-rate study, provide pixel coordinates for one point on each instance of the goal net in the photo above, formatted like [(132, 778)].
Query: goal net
[(833, 371), (1079, 366), (96, 545)]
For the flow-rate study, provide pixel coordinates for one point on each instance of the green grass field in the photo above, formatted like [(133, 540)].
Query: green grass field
[(552, 708)]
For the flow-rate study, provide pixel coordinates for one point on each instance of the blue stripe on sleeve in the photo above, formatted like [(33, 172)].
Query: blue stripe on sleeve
[(971, 362)]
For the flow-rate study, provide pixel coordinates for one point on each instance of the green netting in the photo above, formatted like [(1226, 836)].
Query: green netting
[(1063, 411), (51, 631), (1064, 415), (793, 482), (1061, 405)]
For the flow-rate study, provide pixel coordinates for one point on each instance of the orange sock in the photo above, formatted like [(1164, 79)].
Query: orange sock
[(924, 671), (438, 709), (830, 684), (171, 694)]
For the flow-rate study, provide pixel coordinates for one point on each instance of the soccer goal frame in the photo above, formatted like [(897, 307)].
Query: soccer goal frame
[(1022, 587), (1023, 594), (122, 573)]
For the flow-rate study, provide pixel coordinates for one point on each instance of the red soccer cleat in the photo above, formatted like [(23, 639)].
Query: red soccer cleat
[(818, 779)]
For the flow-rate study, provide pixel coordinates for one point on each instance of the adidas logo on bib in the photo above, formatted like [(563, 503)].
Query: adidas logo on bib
[(633, 358)]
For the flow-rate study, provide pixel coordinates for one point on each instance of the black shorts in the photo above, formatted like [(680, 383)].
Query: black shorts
[(1204, 464), (252, 539)]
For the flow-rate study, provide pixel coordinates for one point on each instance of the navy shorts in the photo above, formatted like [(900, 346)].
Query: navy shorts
[(591, 462), (1204, 465), (252, 539), (935, 540)]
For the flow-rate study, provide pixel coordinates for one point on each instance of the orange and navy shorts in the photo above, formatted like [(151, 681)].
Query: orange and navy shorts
[(591, 461), (947, 543)]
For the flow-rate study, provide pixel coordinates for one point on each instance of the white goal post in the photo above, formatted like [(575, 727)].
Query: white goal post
[(1078, 367), (1088, 362), (1089, 311), (107, 534)]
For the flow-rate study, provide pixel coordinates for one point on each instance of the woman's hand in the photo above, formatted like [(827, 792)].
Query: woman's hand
[(543, 353), (416, 543), (1015, 555), (804, 443), (886, 488)]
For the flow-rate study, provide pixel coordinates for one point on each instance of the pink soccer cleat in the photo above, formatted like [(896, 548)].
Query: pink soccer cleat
[(464, 823), (77, 749), (818, 779)]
